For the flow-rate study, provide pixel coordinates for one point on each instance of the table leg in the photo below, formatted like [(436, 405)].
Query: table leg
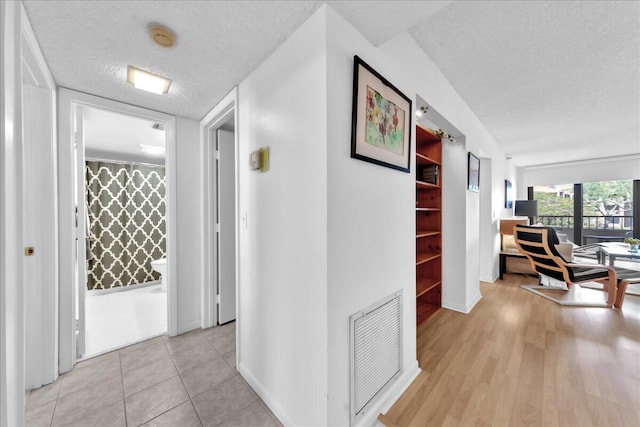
[(503, 265), (612, 258)]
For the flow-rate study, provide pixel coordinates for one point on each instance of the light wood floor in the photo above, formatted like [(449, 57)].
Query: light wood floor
[(519, 359)]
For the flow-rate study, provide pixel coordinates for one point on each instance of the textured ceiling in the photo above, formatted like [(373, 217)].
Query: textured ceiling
[(559, 77), (552, 81)]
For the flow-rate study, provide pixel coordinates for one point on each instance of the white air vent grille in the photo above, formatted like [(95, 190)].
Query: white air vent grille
[(376, 351)]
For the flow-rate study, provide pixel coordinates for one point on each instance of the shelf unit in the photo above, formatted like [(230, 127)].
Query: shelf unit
[(428, 224)]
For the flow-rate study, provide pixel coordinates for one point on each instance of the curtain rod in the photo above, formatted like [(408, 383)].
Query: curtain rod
[(122, 162)]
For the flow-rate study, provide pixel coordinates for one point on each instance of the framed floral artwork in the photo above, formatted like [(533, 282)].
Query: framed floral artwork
[(381, 120)]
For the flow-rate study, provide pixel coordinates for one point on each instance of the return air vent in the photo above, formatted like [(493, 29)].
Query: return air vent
[(376, 351)]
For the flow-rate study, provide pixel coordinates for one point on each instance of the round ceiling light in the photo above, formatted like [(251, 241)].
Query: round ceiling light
[(162, 35)]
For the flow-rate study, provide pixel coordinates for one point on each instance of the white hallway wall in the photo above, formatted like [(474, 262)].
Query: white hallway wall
[(316, 248), (283, 251), (371, 220), (189, 239)]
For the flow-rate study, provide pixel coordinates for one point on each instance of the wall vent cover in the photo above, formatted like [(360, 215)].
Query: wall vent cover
[(375, 350)]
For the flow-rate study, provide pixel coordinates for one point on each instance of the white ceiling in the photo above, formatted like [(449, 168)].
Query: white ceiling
[(113, 136), (557, 76)]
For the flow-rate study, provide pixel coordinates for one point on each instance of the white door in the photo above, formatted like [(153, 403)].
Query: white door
[(39, 225), (80, 231), (226, 235)]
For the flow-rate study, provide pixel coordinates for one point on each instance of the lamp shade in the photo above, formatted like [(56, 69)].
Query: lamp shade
[(526, 208)]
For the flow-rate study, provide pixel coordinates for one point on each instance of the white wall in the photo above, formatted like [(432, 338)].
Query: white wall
[(608, 169), (371, 217), (12, 328), (283, 251), (188, 247), (488, 268)]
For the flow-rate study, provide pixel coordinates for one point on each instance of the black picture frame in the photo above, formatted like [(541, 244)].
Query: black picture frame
[(508, 195), (473, 173), (380, 121)]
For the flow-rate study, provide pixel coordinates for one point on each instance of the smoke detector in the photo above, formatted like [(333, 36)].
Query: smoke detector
[(162, 35)]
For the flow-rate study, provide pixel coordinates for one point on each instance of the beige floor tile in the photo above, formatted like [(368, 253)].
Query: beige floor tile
[(156, 372), (156, 400), (82, 403), (194, 356), (217, 404), (183, 416), (45, 394), (40, 416), (109, 416), (138, 358), (225, 344), (220, 331), (231, 360), (79, 379), (104, 358), (185, 341), (253, 416), (141, 345), (207, 375)]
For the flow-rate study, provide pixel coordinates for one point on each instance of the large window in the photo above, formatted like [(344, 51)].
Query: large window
[(605, 212), (608, 205), (555, 207)]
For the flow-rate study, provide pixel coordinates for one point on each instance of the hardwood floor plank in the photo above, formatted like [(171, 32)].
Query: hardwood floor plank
[(520, 360)]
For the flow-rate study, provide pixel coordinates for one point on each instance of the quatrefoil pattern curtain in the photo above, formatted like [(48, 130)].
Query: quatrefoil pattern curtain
[(126, 206)]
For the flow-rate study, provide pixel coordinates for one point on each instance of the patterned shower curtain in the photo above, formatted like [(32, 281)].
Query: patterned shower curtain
[(126, 207)]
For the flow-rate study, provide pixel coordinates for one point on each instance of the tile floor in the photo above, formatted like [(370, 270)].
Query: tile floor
[(116, 319), (188, 380)]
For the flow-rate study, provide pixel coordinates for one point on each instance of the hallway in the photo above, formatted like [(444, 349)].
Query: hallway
[(188, 380)]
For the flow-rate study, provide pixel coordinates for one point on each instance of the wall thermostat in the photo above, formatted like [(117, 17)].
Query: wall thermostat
[(259, 159)]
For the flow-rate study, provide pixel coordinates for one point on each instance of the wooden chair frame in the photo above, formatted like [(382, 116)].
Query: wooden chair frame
[(558, 264)]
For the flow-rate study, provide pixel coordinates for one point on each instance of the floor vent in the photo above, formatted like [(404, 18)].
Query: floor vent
[(376, 351)]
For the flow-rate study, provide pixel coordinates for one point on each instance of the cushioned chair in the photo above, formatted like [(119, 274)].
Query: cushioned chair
[(538, 245)]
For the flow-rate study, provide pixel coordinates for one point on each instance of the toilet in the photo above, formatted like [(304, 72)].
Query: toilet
[(160, 265)]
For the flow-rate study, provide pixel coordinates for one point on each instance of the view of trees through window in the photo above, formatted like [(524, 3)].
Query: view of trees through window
[(607, 204)]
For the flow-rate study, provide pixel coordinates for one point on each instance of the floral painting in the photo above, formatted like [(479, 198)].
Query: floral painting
[(381, 120), (385, 123)]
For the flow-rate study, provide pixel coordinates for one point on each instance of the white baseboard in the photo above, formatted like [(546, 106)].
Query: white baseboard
[(394, 392), (188, 327), (466, 309), (489, 280), (273, 405), (385, 402)]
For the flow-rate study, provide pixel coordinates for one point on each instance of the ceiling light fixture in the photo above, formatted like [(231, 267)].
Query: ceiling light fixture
[(145, 80), (421, 111), (443, 135), (152, 149)]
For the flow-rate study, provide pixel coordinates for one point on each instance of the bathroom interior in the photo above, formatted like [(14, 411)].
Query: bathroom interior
[(125, 299)]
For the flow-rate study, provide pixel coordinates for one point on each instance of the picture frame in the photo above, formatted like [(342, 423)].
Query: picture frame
[(473, 173), (381, 120), (508, 195)]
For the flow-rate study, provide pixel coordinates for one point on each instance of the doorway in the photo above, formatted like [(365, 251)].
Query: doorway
[(75, 218), (122, 189), (220, 214)]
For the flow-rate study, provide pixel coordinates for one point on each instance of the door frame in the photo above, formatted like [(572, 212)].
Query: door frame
[(44, 333), (226, 108), (69, 100)]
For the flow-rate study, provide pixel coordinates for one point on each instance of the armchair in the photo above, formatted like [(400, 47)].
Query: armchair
[(538, 245)]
